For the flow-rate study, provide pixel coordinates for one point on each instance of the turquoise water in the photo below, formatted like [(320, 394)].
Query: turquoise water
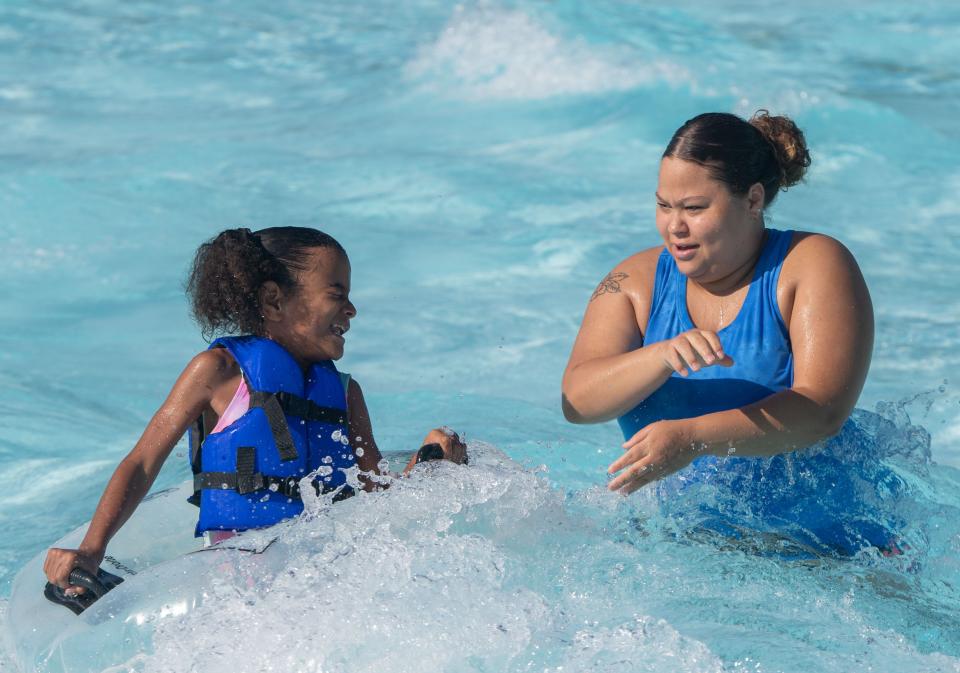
[(484, 164)]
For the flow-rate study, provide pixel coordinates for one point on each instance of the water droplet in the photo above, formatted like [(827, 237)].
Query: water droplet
[(359, 452)]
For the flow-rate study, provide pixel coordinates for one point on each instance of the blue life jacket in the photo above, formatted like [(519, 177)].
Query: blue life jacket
[(248, 474)]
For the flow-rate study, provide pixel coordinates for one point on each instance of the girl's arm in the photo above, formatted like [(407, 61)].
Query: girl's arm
[(368, 455), (361, 437), (830, 318), (203, 379)]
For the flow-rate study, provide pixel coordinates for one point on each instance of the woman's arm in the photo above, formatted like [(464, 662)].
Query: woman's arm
[(830, 319), (202, 379), (610, 371)]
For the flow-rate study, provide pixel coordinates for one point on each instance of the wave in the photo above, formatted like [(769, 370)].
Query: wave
[(486, 52)]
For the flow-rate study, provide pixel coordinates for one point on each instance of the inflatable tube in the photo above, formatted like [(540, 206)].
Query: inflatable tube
[(165, 570)]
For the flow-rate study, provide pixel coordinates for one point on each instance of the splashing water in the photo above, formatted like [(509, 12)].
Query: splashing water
[(485, 165)]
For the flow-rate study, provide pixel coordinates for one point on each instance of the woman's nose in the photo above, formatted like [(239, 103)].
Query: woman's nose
[(676, 225)]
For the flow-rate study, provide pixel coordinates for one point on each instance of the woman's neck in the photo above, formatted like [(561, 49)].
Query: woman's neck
[(739, 276)]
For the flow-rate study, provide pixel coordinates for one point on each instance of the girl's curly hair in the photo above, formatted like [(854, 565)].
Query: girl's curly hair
[(229, 269)]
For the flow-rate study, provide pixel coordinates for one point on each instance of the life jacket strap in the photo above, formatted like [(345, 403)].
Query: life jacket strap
[(294, 405), (275, 405), (287, 486), (246, 480), (277, 421)]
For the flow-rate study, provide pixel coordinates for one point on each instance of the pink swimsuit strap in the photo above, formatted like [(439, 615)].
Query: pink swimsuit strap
[(239, 405)]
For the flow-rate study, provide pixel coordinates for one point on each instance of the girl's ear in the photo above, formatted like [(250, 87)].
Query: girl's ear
[(271, 302)]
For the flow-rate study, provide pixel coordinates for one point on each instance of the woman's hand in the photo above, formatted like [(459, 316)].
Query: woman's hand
[(454, 449), (692, 351), (60, 562), (659, 449)]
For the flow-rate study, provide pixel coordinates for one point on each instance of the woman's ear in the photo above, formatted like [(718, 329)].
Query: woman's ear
[(756, 195), (271, 304)]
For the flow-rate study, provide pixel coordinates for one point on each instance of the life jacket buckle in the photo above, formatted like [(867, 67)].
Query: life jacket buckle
[(248, 483)]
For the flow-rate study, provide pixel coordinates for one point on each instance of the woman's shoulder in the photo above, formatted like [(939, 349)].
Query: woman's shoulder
[(635, 274), (818, 269), (812, 253)]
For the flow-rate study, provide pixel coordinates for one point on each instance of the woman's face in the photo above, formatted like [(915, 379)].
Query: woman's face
[(314, 318), (709, 231)]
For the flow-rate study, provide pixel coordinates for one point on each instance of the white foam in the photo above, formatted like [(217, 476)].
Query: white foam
[(493, 53), (6, 661), (946, 443), (30, 480), (455, 568), (948, 206), (16, 92)]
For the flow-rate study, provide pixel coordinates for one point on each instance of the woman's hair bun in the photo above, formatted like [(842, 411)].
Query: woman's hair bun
[(789, 145)]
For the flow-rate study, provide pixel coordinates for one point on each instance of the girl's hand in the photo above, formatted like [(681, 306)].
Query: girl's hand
[(659, 449), (692, 351), (60, 562), (454, 449)]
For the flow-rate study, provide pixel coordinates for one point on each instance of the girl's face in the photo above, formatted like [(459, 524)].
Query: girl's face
[(709, 231), (311, 321)]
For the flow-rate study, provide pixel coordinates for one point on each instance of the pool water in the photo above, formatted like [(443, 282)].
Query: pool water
[(485, 164)]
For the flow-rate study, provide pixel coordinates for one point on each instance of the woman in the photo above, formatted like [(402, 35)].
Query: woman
[(731, 337)]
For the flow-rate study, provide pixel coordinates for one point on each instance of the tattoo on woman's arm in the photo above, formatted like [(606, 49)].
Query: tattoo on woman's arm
[(609, 284)]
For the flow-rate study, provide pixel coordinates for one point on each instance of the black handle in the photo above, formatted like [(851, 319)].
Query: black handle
[(82, 578), (432, 451)]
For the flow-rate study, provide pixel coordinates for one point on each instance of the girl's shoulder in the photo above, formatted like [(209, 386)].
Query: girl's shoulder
[(215, 362), (215, 371)]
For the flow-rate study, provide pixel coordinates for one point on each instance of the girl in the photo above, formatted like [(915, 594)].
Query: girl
[(266, 409)]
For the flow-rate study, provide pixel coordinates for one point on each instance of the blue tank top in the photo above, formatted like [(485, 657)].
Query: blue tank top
[(757, 340), (824, 497)]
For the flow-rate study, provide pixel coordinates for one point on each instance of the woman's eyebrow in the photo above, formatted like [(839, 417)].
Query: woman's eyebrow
[(682, 201)]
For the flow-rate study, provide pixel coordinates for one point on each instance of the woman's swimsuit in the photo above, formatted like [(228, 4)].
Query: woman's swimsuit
[(757, 340), (820, 496)]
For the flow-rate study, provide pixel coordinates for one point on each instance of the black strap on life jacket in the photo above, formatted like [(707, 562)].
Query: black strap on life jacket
[(196, 435), (246, 480), (276, 406)]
